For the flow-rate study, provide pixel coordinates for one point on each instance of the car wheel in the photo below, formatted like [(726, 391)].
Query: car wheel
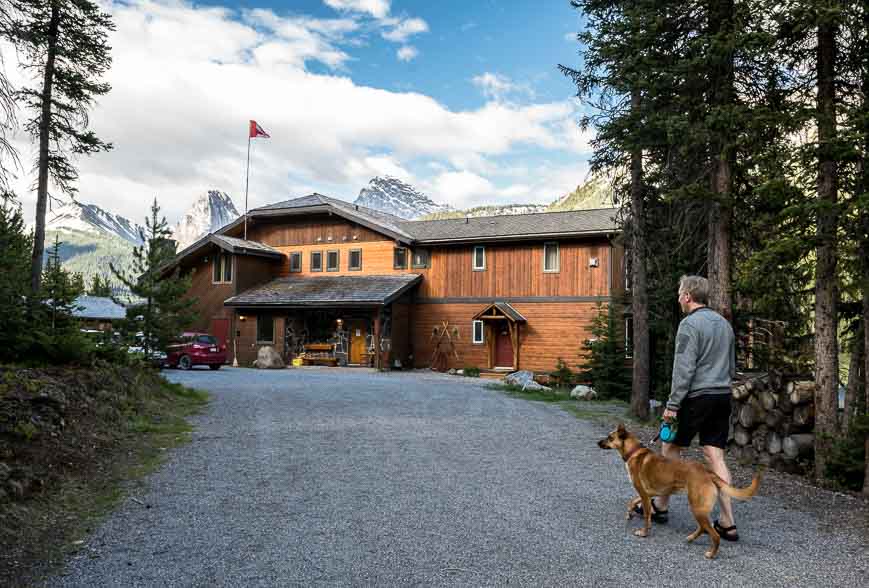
[(184, 363), (215, 366)]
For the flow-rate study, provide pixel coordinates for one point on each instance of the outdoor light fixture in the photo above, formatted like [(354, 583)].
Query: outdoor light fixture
[(241, 317), (593, 262), (340, 322)]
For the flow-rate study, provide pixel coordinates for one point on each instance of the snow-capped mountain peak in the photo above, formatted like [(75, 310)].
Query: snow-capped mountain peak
[(208, 213), (90, 218), (391, 195)]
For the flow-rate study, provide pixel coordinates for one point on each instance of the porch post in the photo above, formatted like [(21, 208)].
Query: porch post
[(490, 342), (233, 324), (378, 363), (514, 336)]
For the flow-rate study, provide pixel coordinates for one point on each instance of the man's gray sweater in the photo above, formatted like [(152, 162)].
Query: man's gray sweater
[(705, 361)]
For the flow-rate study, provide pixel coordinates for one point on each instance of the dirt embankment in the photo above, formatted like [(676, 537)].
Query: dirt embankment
[(70, 437)]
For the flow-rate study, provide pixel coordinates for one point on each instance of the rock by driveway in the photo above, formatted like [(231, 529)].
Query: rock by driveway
[(353, 478)]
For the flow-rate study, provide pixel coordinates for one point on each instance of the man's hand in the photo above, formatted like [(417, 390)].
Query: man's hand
[(670, 414)]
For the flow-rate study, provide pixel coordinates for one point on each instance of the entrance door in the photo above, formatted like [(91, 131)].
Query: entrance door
[(358, 332), (220, 330), (503, 346)]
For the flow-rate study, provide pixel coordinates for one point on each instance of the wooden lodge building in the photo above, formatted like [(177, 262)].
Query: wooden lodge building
[(332, 282)]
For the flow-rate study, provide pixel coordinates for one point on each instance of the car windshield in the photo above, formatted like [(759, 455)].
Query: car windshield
[(206, 340)]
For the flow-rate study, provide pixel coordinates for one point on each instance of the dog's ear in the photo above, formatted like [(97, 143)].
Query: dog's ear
[(622, 432)]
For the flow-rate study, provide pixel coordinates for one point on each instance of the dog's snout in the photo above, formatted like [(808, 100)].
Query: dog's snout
[(603, 444)]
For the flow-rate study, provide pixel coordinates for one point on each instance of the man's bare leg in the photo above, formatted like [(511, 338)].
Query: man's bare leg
[(715, 458), (671, 451)]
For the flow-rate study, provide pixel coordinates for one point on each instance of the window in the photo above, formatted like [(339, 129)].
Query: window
[(206, 340), (355, 260), (316, 261), (420, 258), (479, 258), (265, 328), (332, 259), (478, 332), (550, 257), (222, 268), (399, 258), (295, 261)]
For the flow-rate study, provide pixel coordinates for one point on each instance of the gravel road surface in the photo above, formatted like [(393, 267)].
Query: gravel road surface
[(329, 477)]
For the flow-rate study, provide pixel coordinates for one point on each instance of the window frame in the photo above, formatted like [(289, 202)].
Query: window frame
[(222, 269), (474, 265), (416, 265), (296, 255), (482, 340), (337, 267), (350, 267), (395, 251), (318, 267), (272, 319), (557, 268)]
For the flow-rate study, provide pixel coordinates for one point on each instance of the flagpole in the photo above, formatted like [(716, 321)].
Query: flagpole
[(246, 180)]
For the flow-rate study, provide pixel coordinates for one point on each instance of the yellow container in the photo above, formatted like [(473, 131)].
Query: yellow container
[(297, 361)]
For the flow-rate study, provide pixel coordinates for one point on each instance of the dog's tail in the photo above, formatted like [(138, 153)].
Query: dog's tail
[(739, 493)]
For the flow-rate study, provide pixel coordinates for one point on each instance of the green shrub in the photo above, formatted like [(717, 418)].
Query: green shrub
[(604, 366), (472, 372), (846, 465), (563, 376)]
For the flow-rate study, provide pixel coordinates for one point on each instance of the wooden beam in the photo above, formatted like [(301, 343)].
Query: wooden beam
[(378, 364)]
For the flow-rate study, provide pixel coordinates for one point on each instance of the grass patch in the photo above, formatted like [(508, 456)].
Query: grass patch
[(551, 395), (120, 426)]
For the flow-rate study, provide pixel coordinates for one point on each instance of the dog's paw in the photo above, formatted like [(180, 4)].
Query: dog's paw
[(629, 515), (710, 554), (641, 533)]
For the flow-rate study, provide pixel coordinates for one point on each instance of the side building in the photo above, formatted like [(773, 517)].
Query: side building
[(330, 280)]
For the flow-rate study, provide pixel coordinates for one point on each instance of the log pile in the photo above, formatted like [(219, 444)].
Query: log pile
[(772, 421)]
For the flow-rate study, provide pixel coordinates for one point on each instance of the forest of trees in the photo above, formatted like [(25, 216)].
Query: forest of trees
[(737, 134)]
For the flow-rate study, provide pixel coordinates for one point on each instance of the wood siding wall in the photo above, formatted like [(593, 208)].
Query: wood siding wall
[(377, 259), (553, 331), (307, 231), (516, 270), (209, 296), (246, 343)]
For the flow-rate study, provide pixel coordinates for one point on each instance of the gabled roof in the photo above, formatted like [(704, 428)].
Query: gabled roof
[(229, 244), (98, 307), (381, 222), (326, 291), (541, 225), (501, 309)]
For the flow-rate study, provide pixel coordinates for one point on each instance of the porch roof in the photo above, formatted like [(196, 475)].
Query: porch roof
[(504, 309), (326, 291)]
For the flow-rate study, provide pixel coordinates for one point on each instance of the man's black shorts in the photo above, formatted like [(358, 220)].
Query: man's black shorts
[(708, 415)]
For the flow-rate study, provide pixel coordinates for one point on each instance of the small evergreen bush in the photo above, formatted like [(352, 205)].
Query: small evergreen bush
[(604, 367)]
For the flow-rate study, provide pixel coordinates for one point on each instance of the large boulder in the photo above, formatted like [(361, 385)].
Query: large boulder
[(525, 380), (268, 358), (583, 393)]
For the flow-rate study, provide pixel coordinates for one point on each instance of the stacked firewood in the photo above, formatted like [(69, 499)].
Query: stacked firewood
[(772, 421)]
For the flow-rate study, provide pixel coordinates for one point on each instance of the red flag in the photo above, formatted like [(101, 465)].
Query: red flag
[(257, 131)]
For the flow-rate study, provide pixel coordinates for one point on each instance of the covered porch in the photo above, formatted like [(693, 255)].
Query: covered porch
[(328, 320), (502, 324)]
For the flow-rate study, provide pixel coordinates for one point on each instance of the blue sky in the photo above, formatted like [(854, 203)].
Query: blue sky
[(461, 99)]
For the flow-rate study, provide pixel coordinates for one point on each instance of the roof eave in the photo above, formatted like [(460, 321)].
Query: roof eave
[(517, 237)]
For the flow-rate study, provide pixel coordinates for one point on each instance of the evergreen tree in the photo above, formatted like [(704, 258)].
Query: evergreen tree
[(15, 244), (604, 366), (100, 286), (64, 45), (163, 311), (56, 333)]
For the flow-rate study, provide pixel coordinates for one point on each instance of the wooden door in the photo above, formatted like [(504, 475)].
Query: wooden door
[(220, 330), (358, 332), (503, 345)]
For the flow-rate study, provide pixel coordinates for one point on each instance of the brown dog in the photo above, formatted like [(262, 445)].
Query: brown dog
[(654, 475)]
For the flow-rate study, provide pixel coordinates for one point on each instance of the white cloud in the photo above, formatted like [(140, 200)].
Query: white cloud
[(407, 53), (499, 87), (405, 29), (186, 79), (376, 8)]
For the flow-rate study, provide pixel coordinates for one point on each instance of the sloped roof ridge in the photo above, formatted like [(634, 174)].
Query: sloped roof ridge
[(553, 212)]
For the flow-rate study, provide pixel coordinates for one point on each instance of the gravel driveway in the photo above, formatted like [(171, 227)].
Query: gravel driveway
[(355, 478)]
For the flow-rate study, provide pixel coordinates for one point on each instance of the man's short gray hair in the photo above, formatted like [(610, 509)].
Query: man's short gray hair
[(697, 287)]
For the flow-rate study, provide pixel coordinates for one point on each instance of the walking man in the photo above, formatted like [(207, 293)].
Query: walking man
[(703, 368)]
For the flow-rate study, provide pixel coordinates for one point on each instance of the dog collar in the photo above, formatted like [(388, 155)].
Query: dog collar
[(632, 452)]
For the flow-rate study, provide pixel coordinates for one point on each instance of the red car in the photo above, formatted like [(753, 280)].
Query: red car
[(196, 349)]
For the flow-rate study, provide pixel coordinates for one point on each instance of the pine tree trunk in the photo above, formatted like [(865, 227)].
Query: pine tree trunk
[(721, 211), (826, 316), (855, 382), (639, 294), (864, 243), (42, 164)]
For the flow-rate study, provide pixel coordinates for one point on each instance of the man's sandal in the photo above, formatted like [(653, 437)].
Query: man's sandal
[(726, 533), (659, 516)]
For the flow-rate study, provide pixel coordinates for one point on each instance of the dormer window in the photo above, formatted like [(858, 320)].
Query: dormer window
[(222, 268), (332, 261), (479, 258), (420, 258), (551, 260), (316, 261), (399, 258), (295, 262)]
